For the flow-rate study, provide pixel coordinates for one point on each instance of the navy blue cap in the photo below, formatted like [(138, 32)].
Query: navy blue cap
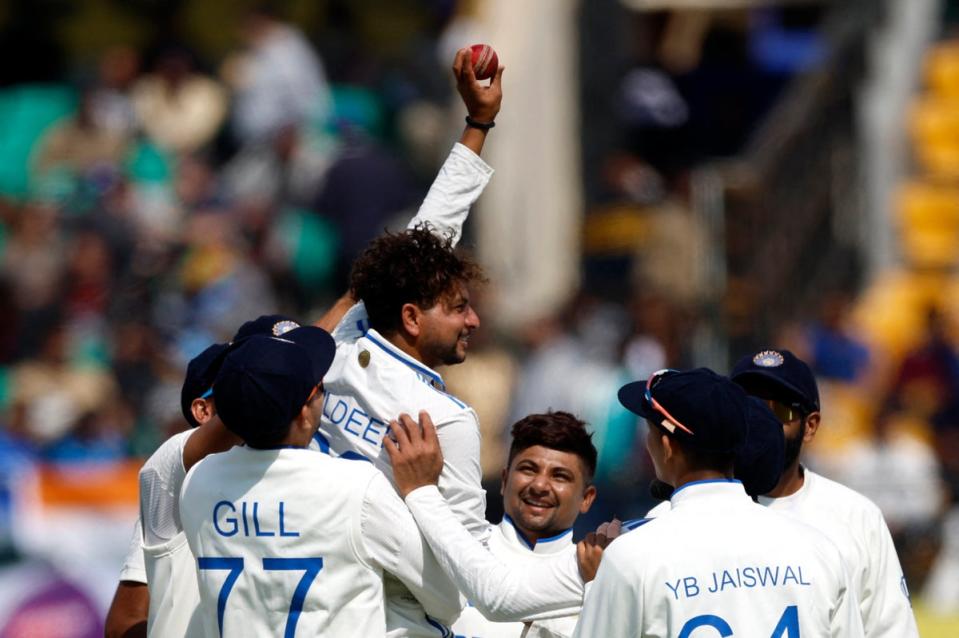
[(759, 462), (271, 325), (200, 373), (778, 375), (265, 381), (710, 405), (202, 369)]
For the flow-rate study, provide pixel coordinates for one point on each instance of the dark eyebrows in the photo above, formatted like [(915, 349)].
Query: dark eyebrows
[(564, 472)]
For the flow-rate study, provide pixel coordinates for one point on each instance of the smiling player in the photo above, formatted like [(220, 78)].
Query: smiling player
[(547, 483)]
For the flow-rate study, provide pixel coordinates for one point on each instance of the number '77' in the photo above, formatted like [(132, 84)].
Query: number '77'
[(309, 566)]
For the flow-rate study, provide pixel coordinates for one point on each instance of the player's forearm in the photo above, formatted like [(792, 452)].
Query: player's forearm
[(500, 592), (335, 314), (127, 617)]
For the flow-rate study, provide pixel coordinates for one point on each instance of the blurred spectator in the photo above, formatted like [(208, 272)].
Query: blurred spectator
[(195, 184), (217, 282), (89, 275), (137, 359), (899, 472), (279, 82), (33, 257), (291, 168), (116, 72), (99, 436), (50, 392), (928, 376), (835, 353), (80, 143), (360, 212), (179, 109), (669, 260), (926, 387)]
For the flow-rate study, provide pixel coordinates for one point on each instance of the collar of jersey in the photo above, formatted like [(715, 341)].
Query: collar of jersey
[(708, 488), (549, 545), (431, 376)]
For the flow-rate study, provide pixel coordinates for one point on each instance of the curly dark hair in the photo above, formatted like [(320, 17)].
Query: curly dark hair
[(414, 266), (557, 431)]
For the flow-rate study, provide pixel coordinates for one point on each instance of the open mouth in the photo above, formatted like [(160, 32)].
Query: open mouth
[(537, 503)]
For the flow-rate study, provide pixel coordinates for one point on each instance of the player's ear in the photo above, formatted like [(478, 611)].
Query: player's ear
[(502, 484), (812, 426), (304, 420), (202, 410), (668, 450), (589, 495), (410, 319)]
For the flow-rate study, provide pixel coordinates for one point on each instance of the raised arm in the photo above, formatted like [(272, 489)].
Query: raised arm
[(459, 183), (464, 175)]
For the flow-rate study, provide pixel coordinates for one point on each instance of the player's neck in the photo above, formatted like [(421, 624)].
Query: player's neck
[(405, 344), (790, 482)]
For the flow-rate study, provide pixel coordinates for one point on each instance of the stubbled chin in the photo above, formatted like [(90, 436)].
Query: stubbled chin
[(537, 513)]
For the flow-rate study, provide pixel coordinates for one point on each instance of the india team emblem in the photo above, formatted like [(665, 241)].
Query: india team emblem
[(280, 328), (768, 359)]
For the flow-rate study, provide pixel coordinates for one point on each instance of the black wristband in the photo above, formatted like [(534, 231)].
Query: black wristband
[(483, 126)]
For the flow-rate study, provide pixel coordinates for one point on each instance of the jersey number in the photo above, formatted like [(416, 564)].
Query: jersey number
[(309, 566), (787, 627)]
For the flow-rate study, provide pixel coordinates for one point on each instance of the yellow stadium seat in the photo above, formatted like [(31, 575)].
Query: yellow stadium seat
[(891, 312), (924, 205), (933, 119), (942, 69), (930, 248)]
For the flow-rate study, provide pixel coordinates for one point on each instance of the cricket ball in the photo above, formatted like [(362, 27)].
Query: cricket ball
[(485, 61)]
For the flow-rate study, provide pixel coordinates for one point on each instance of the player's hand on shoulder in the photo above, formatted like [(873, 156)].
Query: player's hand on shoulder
[(589, 551), (482, 101), (414, 451)]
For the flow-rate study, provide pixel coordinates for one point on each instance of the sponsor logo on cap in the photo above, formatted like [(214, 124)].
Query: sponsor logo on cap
[(768, 359), (283, 327)]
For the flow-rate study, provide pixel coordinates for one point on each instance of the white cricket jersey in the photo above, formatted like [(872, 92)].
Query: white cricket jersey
[(718, 564), (291, 542), (509, 546), (360, 402), (170, 568), (855, 524), (500, 587), (133, 569)]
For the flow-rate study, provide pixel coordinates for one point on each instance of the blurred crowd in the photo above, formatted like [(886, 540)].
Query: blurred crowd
[(164, 208)]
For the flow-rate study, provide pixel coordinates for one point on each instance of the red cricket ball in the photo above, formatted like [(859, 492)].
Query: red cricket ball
[(485, 61)]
